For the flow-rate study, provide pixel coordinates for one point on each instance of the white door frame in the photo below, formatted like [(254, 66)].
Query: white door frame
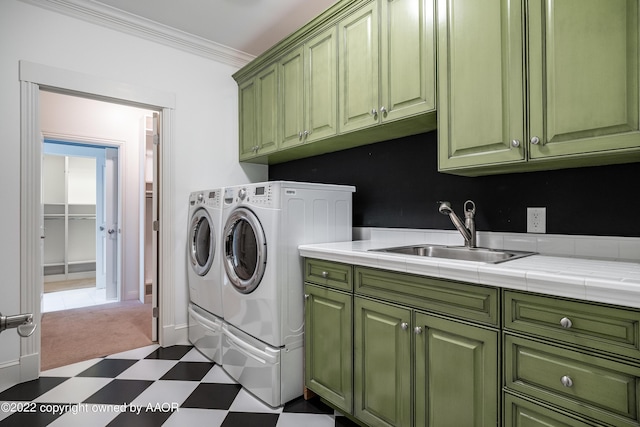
[(33, 77)]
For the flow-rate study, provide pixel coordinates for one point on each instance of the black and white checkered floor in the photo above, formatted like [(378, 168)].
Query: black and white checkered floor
[(150, 386)]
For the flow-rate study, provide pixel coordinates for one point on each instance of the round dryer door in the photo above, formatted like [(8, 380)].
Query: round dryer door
[(201, 242), (245, 250)]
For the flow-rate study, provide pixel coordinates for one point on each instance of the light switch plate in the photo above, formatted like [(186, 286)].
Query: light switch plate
[(536, 220)]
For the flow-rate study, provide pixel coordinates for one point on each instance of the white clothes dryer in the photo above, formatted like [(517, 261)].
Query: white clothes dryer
[(263, 290), (204, 272)]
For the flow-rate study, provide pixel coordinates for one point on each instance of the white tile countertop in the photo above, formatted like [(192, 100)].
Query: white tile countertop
[(570, 275)]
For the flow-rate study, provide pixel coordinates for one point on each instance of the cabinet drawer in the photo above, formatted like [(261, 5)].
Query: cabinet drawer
[(522, 413), (605, 328), (472, 302), (327, 273), (596, 387)]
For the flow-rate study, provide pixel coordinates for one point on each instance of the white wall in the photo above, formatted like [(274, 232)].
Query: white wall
[(205, 131), (89, 120)]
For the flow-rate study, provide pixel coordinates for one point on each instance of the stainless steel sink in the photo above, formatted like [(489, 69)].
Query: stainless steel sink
[(492, 256)]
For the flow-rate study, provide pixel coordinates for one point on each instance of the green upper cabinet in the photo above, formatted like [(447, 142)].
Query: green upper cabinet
[(292, 100), (387, 67), (480, 83), (361, 72), (258, 104), (407, 58), (309, 91), (321, 86), (575, 103), (247, 102), (583, 74), (358, 68)]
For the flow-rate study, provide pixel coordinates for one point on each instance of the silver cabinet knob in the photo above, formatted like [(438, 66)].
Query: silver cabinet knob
[(404, 326), (535, 140), (566, 381), (417, 330), (374, 113), (300, 135), (515, 143), (325, 274), (306, 297), (383, 110), (566, 323)]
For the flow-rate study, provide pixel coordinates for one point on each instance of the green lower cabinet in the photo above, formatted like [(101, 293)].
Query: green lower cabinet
[(456, 373), (328, 345), (523, 413), (412, 368), (595, 387), (382, 363)]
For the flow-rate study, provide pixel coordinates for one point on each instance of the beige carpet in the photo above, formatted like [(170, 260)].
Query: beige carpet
[(71, 336)]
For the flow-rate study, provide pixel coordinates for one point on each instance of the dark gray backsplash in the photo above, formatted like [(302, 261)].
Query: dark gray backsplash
[(398, 185)]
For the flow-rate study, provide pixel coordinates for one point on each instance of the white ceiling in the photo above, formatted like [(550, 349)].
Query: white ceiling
[(250, 26)]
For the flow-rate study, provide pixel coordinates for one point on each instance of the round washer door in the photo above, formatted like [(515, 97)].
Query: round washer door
[(201, 242), (245, 249)]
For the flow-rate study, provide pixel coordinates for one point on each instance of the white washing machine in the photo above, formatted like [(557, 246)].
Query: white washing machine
[(263, 286), (204, 272)]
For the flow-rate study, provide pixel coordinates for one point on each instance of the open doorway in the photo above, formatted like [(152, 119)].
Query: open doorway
[(103, 241), (81, 199)]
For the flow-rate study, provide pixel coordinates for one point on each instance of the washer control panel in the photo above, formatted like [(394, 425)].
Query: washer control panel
[(211, 198)]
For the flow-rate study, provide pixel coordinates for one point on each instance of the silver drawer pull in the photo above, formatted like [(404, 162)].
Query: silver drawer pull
[(566, 323), (404, 326), (566, 381), (325, 274)]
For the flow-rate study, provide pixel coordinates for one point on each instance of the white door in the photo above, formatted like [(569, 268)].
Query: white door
[(101, 241), (112, 221), (155, 217)]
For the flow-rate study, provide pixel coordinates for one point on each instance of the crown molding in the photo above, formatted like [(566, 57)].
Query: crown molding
[(116, 19)]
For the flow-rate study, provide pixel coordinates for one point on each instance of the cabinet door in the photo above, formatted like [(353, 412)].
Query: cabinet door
[(480, 83), (456, 373), (267, 83), (321, 91), (583, 76), (328, 345), (358, 69), (292, 101), (248, 105), (382, 364), (408, 61)]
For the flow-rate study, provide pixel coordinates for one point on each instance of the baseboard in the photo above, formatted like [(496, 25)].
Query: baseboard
[(18, 371), (9, 374)]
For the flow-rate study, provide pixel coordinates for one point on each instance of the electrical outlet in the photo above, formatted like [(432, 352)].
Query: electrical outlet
[(536, 220)]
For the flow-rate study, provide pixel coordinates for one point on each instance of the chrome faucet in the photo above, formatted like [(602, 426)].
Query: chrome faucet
[(468, 228)]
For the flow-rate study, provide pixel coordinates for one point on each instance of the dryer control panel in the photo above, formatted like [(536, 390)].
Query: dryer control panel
[(262, 194)]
